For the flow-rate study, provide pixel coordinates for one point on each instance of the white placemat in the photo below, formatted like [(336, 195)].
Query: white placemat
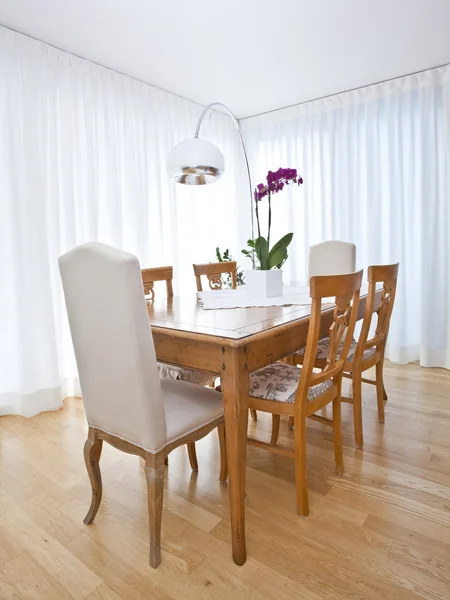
[(217, 299)]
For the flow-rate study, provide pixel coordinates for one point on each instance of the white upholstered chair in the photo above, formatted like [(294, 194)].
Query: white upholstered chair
[(126, 403), (331, 258)]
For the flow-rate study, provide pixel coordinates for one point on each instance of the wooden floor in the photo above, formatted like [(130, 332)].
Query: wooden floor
[(380, 531)]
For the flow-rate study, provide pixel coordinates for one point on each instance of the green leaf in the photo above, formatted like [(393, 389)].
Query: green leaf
[(262, 252), (283, 243), (277, 257), (218, 256), (251, 243)]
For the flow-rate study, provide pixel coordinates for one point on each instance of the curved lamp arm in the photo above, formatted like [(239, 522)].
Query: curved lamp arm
[(236, 123)]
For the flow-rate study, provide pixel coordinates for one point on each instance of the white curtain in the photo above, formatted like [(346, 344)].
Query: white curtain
[(83, 158), (376, 165)]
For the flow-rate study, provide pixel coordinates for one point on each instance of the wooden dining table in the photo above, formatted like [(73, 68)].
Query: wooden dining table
[(232, 343)]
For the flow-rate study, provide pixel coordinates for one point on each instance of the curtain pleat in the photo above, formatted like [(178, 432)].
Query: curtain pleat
[(377, 173), (83, 158)]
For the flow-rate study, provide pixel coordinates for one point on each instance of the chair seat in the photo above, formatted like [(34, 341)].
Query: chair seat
[(323, 348), (183, 374), (280, 382), (188, 407), (367, 353)]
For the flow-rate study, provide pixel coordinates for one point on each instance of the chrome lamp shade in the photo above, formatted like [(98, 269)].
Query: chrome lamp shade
[(198, 162), (195, 162)]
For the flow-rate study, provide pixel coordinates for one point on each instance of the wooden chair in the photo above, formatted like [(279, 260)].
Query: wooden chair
[(283, 389), (214, 272), (332, 258), (126, 403), (366, 353), (149, 276)]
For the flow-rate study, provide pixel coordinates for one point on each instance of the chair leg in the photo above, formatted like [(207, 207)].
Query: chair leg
[(253, 414), (92, 453), (192, 456), (291, 423), (357, 409), (337, 435), (301, 479), (379, 376), (275, 429), (380, 390), (155, 490), (223, 453)]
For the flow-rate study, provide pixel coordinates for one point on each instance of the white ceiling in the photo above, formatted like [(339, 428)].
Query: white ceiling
[(253, 55)]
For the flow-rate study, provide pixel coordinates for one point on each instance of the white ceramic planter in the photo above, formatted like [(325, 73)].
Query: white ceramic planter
[(264, 284)]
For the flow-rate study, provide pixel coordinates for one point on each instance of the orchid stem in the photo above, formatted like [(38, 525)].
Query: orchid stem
[(270, 222), (257, 217)]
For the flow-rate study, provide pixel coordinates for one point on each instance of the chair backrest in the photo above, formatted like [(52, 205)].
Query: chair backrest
[(387, 275), (214, 272), (345, 291), (332, 258), (149, 276), (113, 344)]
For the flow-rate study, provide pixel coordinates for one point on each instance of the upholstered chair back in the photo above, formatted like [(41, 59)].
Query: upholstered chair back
[(332, 258), (113, 344)]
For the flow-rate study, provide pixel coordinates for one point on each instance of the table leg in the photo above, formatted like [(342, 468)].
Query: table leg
[(235, 387)]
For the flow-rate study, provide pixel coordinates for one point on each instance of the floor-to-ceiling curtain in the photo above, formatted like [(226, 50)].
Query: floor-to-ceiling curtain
[(83, 158), (376, 167)]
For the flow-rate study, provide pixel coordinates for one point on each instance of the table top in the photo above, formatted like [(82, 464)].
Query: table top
[(183, 312)]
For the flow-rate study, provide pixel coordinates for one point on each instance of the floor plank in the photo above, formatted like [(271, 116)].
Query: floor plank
[(47, 551), (24, 578), (382, 531)]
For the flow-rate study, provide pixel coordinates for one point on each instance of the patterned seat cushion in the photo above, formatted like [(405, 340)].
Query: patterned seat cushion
[(280, 382), (182, 374), (323, 347), (367, 353)]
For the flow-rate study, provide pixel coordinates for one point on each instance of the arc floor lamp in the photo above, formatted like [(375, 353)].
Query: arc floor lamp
[(199, 162)]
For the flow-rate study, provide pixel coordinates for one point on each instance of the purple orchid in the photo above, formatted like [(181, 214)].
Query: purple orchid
[(275, 257), (276, 182)]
